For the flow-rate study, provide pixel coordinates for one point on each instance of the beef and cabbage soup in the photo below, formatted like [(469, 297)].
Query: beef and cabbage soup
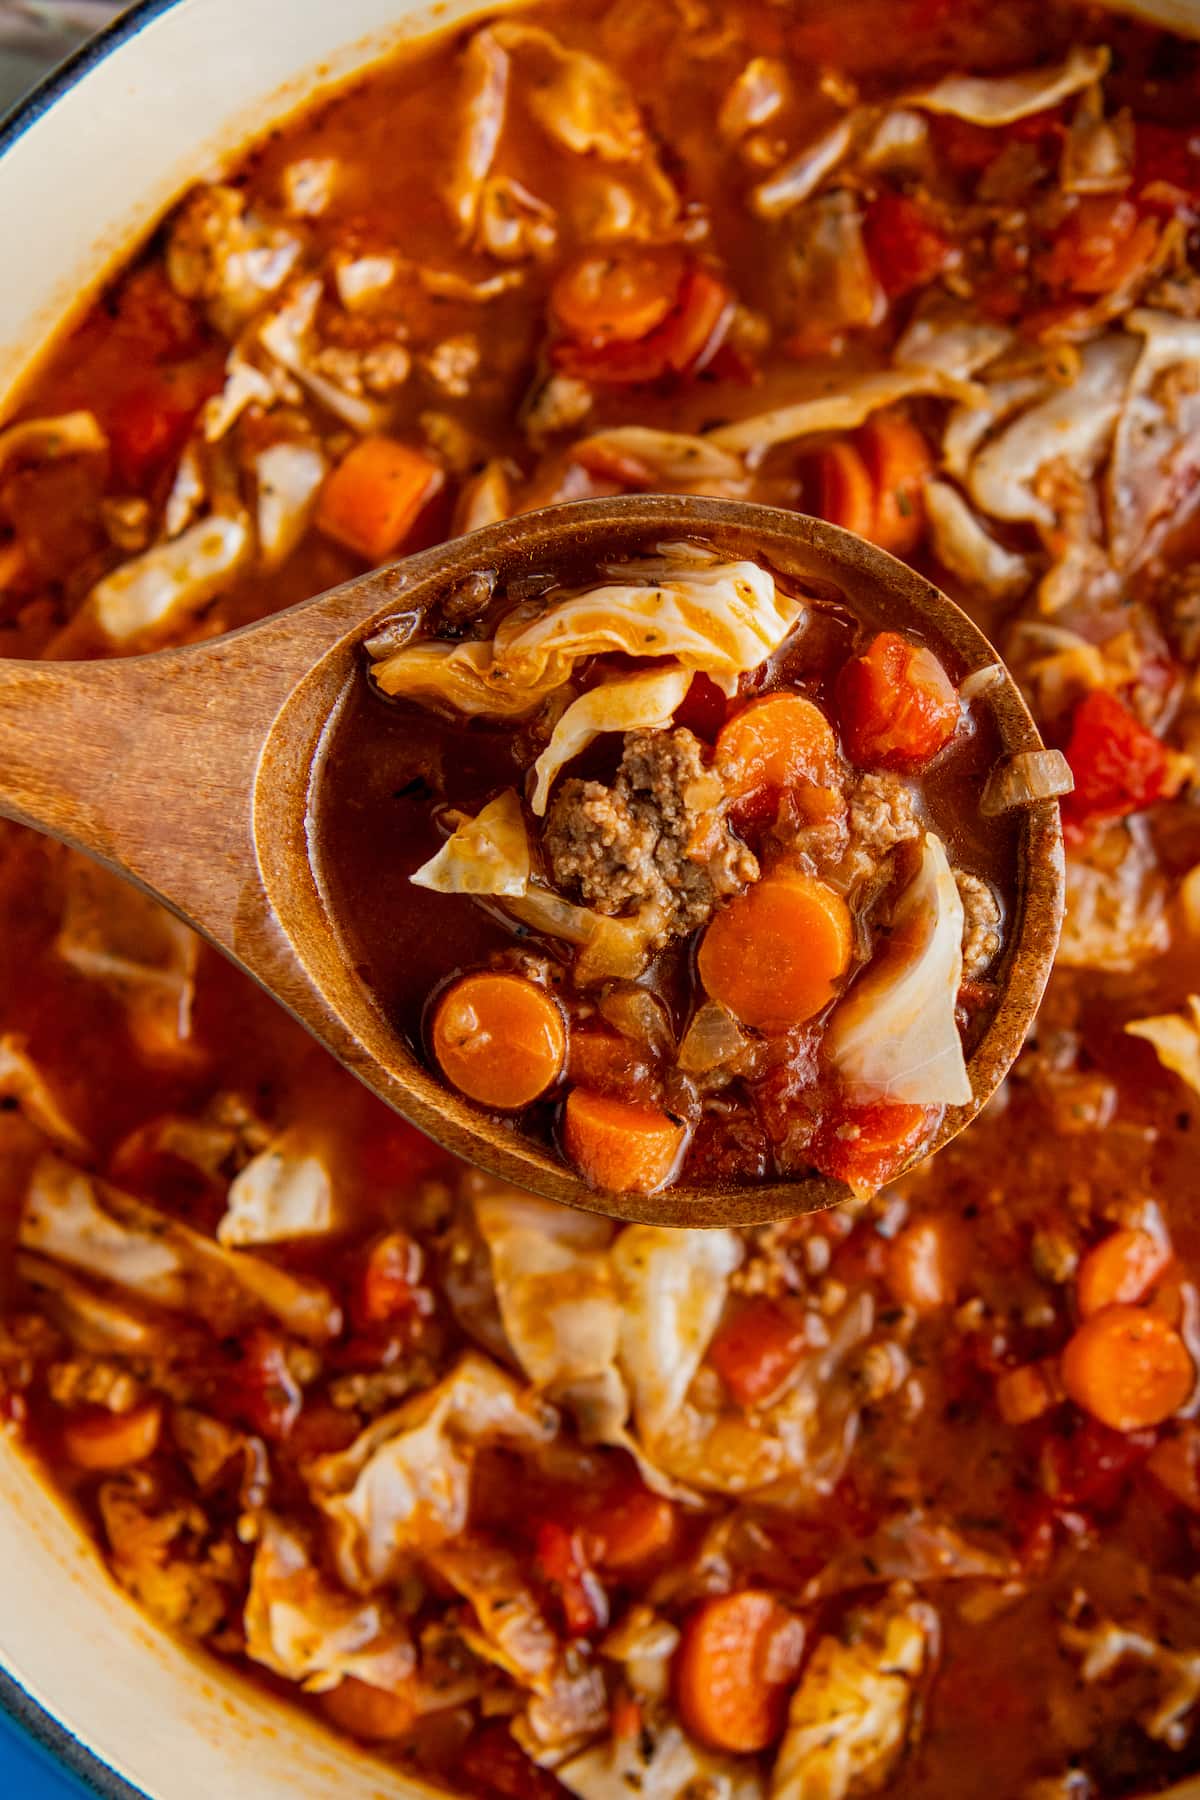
[(901, 1498), (698, 824)]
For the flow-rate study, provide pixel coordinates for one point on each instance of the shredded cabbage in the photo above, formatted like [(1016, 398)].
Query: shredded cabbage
[(404, 1483), (576, 99), (41, 440), (643, 457), (842, 409), (483, 107), (1175, 1038), (302, 1626), (895, 1036), (288, 478), (89, 1225), (282, 1193), (963, 546), (287, 336), (800, 177), (629, 703), (666, 1766), (22, 1083), (155, 591), (1003, 99), (488, 854), (1156, 449), (113, 933)]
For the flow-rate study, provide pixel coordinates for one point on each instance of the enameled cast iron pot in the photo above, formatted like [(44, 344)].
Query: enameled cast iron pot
[(168, 94)]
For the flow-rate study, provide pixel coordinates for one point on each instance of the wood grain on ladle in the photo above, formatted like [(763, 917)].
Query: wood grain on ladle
[(192, 771)]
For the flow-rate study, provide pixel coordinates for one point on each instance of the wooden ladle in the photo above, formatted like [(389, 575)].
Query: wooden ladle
[(192, 772)]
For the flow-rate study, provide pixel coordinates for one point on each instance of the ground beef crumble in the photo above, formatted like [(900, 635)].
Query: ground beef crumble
[(981, 923), (656, 837)]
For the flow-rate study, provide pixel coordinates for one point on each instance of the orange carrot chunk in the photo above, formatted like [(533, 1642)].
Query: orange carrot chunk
[(371, 501), (113, 1440), (865, 1145), (736, 1663), (781, 741), (634, 1528), (897, 705), (1024, 1394), (367, 1712), (616, 296), (774, 956), (616, 1144), (845, 490), (1120, 1270), (927, 1263), (898, 463), (499, 1039), (1128, 1368)]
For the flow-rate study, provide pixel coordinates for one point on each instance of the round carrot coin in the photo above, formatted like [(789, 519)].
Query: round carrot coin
[(736, 1664), (499, 1039), (1128, 1368), (780, 741), (620, 1144), (774, 956)]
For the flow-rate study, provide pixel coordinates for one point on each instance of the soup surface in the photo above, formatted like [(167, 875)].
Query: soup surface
[(903, 1498)]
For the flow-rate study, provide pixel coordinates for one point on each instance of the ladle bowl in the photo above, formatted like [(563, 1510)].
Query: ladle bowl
[(193, 772)]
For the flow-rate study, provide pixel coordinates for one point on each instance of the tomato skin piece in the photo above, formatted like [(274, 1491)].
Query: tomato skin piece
[(683, 344), (390, 1287), (905, 248), (1099, 246), (563, 1558), (1119, 766), (756, 1350), (882, 1136), (262, 1391), (897, 705)]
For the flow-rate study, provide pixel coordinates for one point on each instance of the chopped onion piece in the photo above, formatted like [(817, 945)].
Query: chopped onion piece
[(980, 681), (639, 1016), (714, 1037), (610, 949), (1029, 776)]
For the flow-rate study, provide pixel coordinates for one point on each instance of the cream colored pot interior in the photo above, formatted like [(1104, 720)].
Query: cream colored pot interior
[(85, 179)]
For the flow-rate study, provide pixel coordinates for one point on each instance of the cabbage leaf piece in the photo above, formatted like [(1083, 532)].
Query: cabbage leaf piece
[(1155, 455), (43, 440), (89, 1225), (632, 702), (284, 1192), (114, 934), (156, 591), (895, 1035), (993, 100), (576, 99), (841, 408), (289, 337), (660, 1764), (483, 107), (22, 1082), (488, 854), (1075, 424), (850, 1717), (723, 619), (961, 543), (288, 478), (403, 1486), (304, 1627), (1175, 1040)]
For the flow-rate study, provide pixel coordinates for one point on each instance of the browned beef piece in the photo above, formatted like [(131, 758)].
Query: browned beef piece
[(657, 837)]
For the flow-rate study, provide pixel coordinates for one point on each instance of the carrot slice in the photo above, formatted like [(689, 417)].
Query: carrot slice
[(1128, 1368), (775, 955), (927, 1263), (371, 501), (618, 1145), (780, 741), (1120, 1270), (616, 296), (500, 1039), (736, 1663), (367, 1712), (898, 464), (897, 705), (846, 493), (113, 1440)]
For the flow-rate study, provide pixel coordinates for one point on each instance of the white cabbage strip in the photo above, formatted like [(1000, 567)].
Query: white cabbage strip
[(488, 854), (41, 440), (967, 550), (842, 409), (895, 1036), (631, 703), (1175, 1039), (170, 581), (993, 100), (288, 479), (282, 1193)]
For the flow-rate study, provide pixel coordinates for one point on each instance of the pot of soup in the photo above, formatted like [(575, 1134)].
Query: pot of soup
[(332, 1464)]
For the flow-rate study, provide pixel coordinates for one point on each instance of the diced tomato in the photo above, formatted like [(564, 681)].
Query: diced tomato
[(495, 1762), (609, 1064), (906, 249), (149, 425), (397, 1154), (1119, 766), (1100, 246), (262, 1391), (684, 343), (390, 1288), (1167, 167), (632, 1528), (757, 1348), (562, 1557), (1090, 1465), (153, 316), (729, 1149), (704, 708), (898, 707), (970, 148), (321, 1430), (865, 1145)]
